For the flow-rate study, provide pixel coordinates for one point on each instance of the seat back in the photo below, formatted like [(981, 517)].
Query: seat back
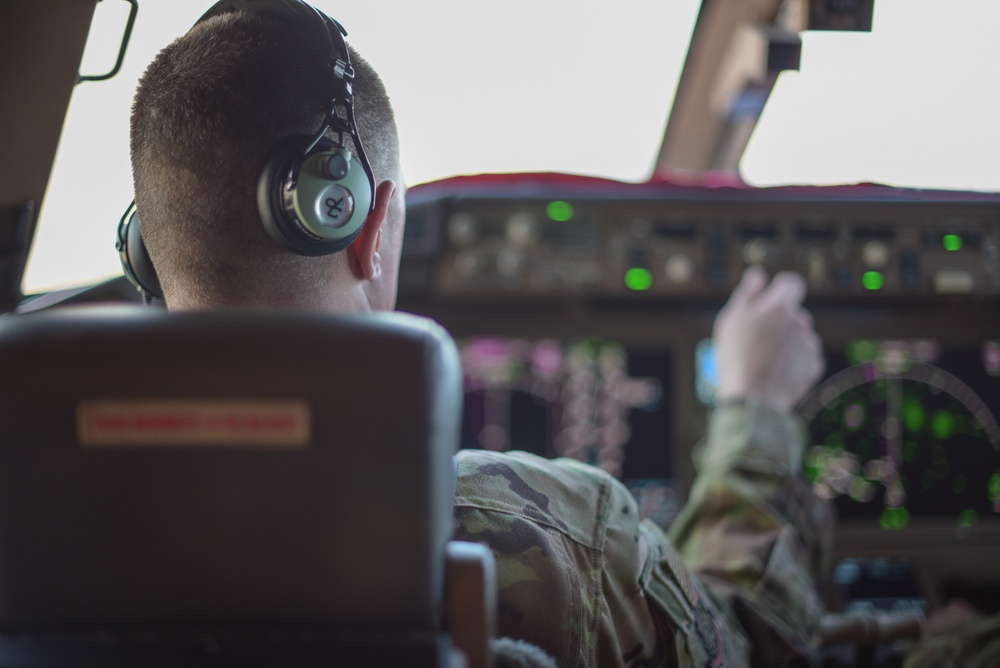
[(224, 469)]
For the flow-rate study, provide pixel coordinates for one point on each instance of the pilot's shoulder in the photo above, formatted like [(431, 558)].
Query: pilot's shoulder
[(546, 522), (562, 494)]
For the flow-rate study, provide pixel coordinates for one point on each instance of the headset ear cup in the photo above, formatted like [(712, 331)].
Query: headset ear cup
[(270, 198), (277, 204), (135, 260)]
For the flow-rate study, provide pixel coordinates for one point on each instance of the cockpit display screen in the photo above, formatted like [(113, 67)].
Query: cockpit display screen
[(908, 429), (588, 399)]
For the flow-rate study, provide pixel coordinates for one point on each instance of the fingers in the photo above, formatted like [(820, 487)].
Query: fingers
[(754, 280), (786, 287), (766, 340)]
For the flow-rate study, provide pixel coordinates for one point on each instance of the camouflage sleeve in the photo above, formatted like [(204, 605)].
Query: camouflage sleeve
[(580, 575), (754, 532), (974, 643)]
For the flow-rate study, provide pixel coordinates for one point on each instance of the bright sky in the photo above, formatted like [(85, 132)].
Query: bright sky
[(916, 102), (580, 86)]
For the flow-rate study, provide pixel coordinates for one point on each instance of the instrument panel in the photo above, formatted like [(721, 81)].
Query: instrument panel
[(687, 243), (583, 309)]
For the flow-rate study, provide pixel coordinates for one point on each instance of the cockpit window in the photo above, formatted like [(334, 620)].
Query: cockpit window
[(911, 104), (579, 86)]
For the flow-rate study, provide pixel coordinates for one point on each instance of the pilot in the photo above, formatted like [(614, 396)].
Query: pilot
[(580, 575)]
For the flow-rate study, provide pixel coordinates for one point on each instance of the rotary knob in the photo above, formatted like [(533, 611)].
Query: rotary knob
[(512, 262), (463, 228), (522, 229), (758, 251), (875, 254), (679, 268), (469, 262)]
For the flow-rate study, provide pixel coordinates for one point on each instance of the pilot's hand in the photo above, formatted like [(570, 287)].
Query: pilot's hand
[(765, 344)]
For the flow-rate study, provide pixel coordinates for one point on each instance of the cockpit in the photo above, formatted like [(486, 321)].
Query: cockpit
[(586, 184)]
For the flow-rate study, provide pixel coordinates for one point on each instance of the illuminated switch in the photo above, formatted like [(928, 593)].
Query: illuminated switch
[(951, 242), (873, 280), (815, 266), (560, 211), (953, 281), (638, 279)]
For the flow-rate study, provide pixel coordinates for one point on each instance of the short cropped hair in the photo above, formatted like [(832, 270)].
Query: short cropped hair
[(207, 113)]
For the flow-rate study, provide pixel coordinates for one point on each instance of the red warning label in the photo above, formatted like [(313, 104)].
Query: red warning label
[(235, 423)]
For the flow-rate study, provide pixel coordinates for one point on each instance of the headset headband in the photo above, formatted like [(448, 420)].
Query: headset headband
[(293, 9), (332, 35)]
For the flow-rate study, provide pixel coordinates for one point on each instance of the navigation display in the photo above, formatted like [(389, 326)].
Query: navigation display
[(906, 429)]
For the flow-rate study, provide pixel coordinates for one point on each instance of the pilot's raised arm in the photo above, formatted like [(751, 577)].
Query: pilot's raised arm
[(583, 577), (752, 530)]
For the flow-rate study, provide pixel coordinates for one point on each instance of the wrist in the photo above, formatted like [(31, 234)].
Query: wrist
[(780, 404)]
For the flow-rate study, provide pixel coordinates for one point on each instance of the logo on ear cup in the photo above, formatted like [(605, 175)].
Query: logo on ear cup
[(335, 207)]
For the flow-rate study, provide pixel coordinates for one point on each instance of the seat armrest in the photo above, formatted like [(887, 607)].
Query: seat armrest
[(471, 600)]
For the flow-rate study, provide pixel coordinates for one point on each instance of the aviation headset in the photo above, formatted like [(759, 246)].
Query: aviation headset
[(313, 195)]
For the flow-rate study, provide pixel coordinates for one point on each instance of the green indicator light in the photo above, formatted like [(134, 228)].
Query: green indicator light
[(968, 518), (995, 487), (942, 424), (872, 280), (560, 211), (815, 462), (951, 242), (861, 490), (638, 279), (894, 518), (861, 350), (914, 415)]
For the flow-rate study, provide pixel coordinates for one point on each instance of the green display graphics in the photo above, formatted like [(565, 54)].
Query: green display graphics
[(905, 430)]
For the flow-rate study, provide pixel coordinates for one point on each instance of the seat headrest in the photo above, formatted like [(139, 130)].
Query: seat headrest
[(224, 468)]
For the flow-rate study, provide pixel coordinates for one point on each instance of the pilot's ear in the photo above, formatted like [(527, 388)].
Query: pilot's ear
[(363, 254)]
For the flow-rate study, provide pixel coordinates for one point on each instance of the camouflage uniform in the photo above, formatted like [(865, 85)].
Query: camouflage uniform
[(582, 577), (974, 643)]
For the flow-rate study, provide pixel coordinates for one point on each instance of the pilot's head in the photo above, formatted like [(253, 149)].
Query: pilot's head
[(208, 113)]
